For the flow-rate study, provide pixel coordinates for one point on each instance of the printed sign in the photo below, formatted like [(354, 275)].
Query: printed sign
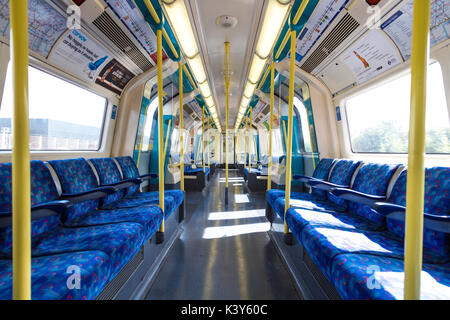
[(371, 56), (114, 76), (79, 55)]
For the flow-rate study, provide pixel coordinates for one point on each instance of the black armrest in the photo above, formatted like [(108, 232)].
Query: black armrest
[(148, 176), (324, 185), (304, 179), (356, 196), (397, 212), (124, 184), (41, 210), (88, 195)]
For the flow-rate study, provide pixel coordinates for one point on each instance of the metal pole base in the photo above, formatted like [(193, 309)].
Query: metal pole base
[(159, 237), (288, 239), (181, 212), (269, 213)]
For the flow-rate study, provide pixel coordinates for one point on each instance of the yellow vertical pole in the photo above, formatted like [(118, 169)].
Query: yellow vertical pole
[(416, 150), (269, 173), (180, 73), (289, 128), (251, 140), (227, 89), (203, 137), (209, 147), (247, 161), (160, 125), (20, 153)]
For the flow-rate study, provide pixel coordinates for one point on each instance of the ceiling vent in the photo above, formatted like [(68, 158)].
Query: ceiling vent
[(226, 21), (114, 33), (340, 32)]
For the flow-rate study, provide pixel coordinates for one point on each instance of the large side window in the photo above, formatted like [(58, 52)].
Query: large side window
[(378, 120), (149, 120), (304, 123), (62, 116)]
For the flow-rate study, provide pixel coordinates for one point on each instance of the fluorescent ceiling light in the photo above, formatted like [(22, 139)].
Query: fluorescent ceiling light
[(249, 89), (197, 68), (244, 102), (256, 68), (273, 21), (209, 101), (204, 88), (179, 18)]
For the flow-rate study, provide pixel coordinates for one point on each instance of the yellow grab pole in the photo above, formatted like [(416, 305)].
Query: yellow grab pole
[(209, 147), (203, 137), (227, 89), (289, 128), (272, 76), (246, 144), (160, 125), (21, 218), (180, 73), (416, 150), (251, 140)]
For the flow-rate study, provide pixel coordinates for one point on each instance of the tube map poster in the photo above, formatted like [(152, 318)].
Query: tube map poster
[(45, 25)]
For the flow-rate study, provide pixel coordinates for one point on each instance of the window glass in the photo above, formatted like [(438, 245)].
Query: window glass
[(148, 125), (62, 116), (277, 143), (304, 122), (378, 120)]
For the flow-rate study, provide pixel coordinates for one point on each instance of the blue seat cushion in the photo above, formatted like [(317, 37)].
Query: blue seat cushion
[(172, 200), (129, 171), (150, 217), (342, 174), (362, 277), (325, 244), (108, 173), (305, 201), (49, 276), (297, 219)]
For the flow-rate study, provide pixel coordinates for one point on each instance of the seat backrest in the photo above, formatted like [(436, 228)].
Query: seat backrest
[(372, 179), (108, 173), (42, 189), (322, 171), (436, 202), (129, 171), (342, 174), (76, 175)]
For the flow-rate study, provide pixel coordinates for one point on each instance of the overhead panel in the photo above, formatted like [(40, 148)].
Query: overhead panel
[(45, 25)]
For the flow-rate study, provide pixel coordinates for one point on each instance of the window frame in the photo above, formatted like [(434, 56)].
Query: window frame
[(59, 77), (404, 73)]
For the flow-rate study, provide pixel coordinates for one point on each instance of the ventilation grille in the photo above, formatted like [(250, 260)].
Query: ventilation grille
[(340, 32), (107, 25)]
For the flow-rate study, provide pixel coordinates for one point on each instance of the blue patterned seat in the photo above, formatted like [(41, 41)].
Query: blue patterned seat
[(109, 173), (341, 174), (363, 277), (252, 170), (49, 276), (130, 171), (76, 175)]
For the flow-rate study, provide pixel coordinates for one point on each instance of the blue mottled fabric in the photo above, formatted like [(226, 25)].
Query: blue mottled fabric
[(50, 276), (370, 277), (193, 171), (129, 171), (108, 173), (342, 174), (76, 175), (252, 170), (324, 244), (322, 172), (372, 179), (120, 241), (297, 219), (437, 202), (42, 189), (169, 203), (172, 199)]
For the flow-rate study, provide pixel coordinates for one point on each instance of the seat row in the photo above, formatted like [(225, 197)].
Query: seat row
[(195, 177), (352, 226), (88, 220)]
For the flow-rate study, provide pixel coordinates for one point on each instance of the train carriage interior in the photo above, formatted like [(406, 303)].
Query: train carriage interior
[(224, 150)]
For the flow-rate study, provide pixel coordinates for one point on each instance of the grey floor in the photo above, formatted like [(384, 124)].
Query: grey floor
[(224, 251)]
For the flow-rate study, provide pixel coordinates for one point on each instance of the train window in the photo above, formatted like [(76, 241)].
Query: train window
[(277, 144), (378, 120), (62, 116), (305, 123), (148, 125)]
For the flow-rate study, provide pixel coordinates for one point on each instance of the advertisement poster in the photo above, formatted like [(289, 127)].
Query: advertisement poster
[(114, 76), (371, 56), (79, 55)]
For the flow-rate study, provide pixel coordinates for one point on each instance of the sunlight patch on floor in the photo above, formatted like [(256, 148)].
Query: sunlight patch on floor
[(231, 215), (241, 198), (231, 231)]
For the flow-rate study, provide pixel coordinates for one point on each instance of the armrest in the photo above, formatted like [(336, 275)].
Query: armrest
[(356, 196), (41, 210), (324, 185), (397, 212), (302, 178), (88, 195), (148, 176), (124, 184)]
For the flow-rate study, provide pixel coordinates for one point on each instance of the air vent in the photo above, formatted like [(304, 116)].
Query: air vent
[(187, 109), (107, 25), (340, 32)]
